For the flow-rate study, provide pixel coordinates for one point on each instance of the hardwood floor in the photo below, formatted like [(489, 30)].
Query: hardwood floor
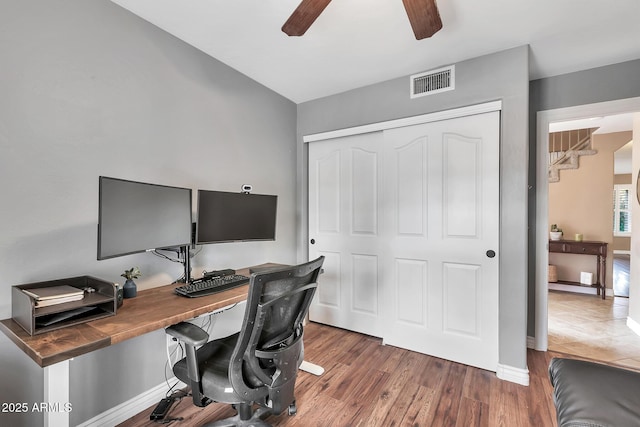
[(621, 267), (367, 384), (587, 326)]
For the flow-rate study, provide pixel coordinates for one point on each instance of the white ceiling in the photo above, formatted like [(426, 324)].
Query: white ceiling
[(355, 43)]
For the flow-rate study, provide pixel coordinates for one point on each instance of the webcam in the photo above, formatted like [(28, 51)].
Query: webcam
[(246, 188)]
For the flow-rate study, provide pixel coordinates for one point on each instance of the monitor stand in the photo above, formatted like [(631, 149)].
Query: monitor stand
[(185, 256)]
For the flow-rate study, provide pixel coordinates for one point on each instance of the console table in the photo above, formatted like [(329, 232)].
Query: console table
[(594, 248)]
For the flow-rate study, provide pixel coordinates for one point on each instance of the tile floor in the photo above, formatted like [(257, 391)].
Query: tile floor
[(587, 326)]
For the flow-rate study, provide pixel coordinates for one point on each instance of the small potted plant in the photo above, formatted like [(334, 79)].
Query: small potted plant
[(555, 233), (130, 290)]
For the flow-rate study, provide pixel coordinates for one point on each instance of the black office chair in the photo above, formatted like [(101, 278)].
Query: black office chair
[(259, 364)]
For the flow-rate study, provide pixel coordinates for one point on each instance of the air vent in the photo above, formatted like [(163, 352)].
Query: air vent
[(434, 81)]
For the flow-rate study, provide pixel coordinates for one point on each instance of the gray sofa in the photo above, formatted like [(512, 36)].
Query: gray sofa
[(588, 394)]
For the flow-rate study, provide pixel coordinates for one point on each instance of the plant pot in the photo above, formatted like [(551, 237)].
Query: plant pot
[(129, 290), (555, 235)]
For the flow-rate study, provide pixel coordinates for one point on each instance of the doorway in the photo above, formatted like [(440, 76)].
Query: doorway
[(580, 202), (544, 119), (623, 197)]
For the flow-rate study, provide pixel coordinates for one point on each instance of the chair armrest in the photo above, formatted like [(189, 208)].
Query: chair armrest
[(593, 394), (188, 333), (192, 336)]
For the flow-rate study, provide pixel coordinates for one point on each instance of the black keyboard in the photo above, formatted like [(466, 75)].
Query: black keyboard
[(212, 285)]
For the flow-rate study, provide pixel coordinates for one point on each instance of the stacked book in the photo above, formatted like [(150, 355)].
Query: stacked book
[(53, 295)]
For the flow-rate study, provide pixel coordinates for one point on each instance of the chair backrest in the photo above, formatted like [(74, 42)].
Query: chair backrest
[(269, 350)]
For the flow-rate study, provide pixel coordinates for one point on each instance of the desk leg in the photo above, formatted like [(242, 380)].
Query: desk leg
[(56, 391), (603, 262), (311, 368)]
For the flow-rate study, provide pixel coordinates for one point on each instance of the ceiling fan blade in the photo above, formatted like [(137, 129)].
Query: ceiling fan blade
[(304, 15), (424, 17)]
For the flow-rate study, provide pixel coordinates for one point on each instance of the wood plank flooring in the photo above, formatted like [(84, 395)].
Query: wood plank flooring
[(367, 384), (621, 268)]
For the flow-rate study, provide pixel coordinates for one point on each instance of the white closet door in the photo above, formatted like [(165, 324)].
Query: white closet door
[(344, 226), (441, 222), (408, 222)]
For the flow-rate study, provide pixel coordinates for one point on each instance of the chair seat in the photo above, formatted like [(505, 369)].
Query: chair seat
[(213, 363), (257, 366)]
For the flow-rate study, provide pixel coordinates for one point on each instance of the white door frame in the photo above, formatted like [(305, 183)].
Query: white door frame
[(544, 118), (408, 121)]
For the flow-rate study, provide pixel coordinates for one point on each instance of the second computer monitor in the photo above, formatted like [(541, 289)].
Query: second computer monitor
[(231, 217)]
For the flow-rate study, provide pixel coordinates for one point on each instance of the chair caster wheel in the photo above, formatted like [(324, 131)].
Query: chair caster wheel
[(292, 409)]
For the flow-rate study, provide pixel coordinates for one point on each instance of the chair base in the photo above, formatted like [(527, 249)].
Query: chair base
[(244, 418)]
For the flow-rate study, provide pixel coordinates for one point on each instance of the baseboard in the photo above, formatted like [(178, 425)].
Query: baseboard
[(553, 286), (513, 374), (633, 325), (621, 252), (131, 407), (531, 342)]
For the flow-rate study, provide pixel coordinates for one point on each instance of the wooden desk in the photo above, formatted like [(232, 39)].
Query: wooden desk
[(598, 249), (151, 310)]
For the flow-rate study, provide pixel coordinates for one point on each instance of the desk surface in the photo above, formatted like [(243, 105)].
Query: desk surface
[(150, 310)]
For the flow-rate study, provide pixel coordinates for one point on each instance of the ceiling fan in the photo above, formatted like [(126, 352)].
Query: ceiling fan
[(423, 16)]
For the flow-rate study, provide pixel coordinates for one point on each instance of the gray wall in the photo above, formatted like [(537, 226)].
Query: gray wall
[(501, 76), (613, 82), (89, 89)]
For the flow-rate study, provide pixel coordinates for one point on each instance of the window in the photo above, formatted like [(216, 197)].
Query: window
[(622, 210)]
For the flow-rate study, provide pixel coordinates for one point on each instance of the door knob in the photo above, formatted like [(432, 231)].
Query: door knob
[(491, 253)]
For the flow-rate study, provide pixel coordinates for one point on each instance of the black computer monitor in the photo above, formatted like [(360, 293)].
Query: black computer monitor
[(233, 217), (136, 217)]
